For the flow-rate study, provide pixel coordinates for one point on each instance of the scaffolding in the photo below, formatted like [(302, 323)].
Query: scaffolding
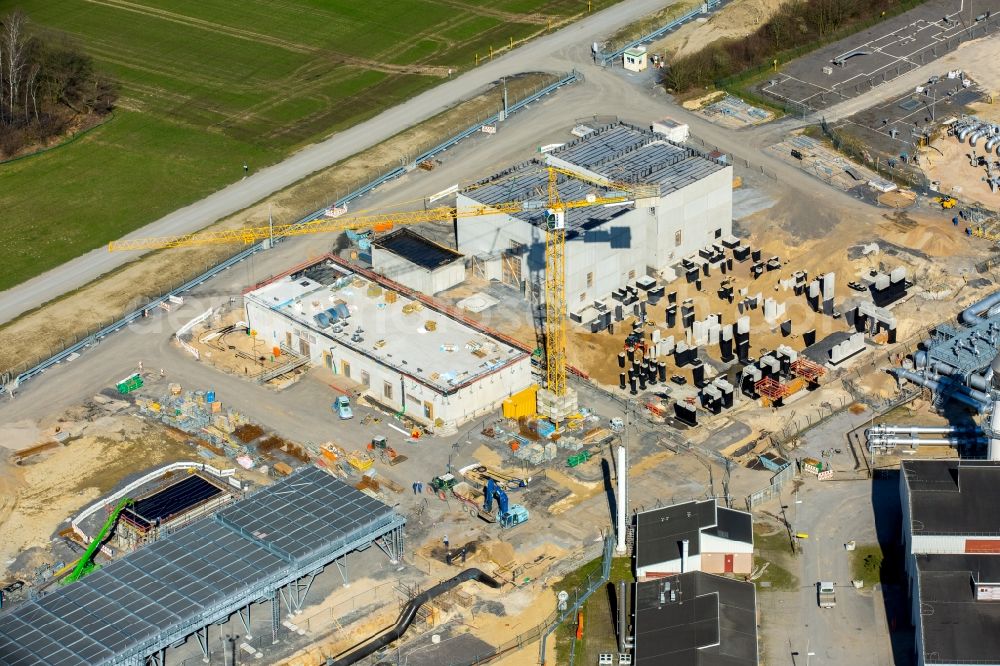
[(770, 390), (808, 370)]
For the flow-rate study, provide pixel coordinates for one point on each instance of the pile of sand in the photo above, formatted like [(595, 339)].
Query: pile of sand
[(737, 19)]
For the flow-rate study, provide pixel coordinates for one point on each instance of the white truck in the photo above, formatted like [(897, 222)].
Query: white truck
[(826, 594)]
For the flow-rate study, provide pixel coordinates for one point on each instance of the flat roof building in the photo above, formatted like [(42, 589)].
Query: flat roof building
[(695, 619), (407, 352), (421, 264), (607, 246), (951, 537)]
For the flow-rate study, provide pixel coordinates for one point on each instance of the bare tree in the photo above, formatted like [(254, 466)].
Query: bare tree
[(15, 41), (31, 92)]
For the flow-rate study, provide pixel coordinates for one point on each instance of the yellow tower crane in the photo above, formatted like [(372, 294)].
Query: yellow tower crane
[(555, 247)]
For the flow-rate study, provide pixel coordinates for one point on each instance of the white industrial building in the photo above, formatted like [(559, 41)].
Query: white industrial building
[(607, 246), (407, 354), (693, 536), (951, 539), (421, 264)]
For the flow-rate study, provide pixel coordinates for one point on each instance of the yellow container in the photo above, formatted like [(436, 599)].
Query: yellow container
[(521, 404)]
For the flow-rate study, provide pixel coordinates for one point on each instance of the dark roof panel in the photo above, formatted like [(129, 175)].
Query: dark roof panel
[(733, 525), (711, 622), (418, 250), (956, 627), (659, 532), (953, 497)]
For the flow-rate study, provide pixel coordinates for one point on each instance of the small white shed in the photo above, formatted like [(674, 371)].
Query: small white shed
[(636, 59)]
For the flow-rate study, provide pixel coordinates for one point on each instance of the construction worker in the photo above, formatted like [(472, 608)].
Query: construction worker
[(446, 542)]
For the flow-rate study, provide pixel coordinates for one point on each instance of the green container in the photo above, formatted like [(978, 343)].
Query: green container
[(130, 384)]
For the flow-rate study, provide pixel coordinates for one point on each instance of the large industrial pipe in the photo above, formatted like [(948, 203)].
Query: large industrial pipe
[(621, 502), (965, 132), (407, 615), (917, 441), (979, 134), (880, 429), (992, 143), (973, 314), (968, 398)]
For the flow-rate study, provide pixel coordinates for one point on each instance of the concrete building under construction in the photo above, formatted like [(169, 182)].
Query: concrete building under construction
[(407, 353), (607, 246)]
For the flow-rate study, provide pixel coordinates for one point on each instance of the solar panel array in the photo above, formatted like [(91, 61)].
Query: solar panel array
[(192, 577)]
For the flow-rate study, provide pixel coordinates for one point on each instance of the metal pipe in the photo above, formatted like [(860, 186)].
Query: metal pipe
[(917, 441), (976, 137), (991, 143), (916, 430), (968, 398), (972, 315)]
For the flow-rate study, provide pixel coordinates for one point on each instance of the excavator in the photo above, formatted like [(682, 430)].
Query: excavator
[(86, 565), (508, 515)]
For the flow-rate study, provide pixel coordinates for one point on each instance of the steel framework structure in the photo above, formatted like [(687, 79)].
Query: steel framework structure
[(268, 547)]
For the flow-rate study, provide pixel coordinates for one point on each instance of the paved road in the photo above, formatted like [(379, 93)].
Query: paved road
[(542, 54)]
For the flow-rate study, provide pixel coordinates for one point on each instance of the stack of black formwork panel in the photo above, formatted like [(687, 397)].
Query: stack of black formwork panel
[(686, 413), (801, 278), (671, 316), (741, 253), (618, 295), (730, 242), (814, 295), (691, 270), (828, 282), (757, 269), (770, 366), (684, 355), (751, 375), (661, 371), (860, 320), (655, 294), (697, 372), (687, 313), (726, 340), (887, 289), (786, 357), (755, 255), (711, 398), (728, 392), (809, 338), (742, 334), (645, 283), (786, 328), (619, 312), (726, 291), (773, 264)]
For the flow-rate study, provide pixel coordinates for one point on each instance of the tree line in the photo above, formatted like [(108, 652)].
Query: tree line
[(48, 86), (797, 24)]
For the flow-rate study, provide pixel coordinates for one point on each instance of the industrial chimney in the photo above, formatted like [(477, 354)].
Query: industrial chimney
[(622, 499)]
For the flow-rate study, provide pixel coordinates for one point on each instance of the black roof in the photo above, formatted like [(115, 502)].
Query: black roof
[(170, 501), (416, 249), (953, 497), (732, 525), (956, 627), (659, 532), (711, 622)]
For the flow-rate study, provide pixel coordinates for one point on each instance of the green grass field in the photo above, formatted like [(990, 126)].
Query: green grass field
[(207, 85)]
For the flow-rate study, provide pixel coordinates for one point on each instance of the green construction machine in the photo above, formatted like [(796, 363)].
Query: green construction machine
[(86, 564)]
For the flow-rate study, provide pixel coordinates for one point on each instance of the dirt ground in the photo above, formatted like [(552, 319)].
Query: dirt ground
[(40, 494), (47, 330), (947, 161), (737, 19)]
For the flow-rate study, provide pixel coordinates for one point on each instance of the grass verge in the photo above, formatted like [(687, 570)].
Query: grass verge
[(55, 325), (598, 615), (773, 550), (206, 88)]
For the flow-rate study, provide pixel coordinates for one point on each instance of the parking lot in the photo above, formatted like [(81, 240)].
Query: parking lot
[(857, 64)]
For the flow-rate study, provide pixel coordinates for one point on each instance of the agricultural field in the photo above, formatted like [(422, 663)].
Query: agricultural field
[(209, 85)]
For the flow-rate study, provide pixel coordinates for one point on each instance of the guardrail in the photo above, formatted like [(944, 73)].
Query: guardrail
[(604, 58), (8, 385)]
